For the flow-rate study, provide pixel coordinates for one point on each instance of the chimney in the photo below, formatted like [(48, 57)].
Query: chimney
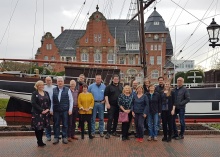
[(62, 28)]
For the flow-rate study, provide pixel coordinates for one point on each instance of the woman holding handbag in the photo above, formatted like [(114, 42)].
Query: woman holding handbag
[(124, 101)]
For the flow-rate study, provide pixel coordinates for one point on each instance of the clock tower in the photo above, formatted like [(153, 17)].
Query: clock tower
[(159, 48)]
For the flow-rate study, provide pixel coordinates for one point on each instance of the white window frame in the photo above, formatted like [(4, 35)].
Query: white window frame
[(151, 60), (154, 74), (155, 47), (45, 57), (111, 58), (132, 60), (159, 60), (159, 47), (53, 58), (84, 57), (122, 60), (95, 38), (99, 37), (86, 40), (97, 57), (151, 47), (156, 23), (109, 40)]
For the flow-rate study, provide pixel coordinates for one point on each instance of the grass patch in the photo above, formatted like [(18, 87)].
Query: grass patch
[(3, 103), (217, 126), (2, 112)]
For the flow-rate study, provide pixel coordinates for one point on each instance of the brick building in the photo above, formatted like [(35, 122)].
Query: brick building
[(112, 41)]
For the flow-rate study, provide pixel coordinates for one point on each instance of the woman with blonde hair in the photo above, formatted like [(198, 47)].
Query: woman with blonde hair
[(168, 109), (124, 102), (140, 109), (146, 85), (40, 102)]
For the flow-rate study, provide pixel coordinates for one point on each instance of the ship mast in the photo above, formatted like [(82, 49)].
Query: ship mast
[(142, 33)]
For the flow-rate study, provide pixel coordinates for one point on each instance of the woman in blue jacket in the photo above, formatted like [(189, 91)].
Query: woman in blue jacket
[(154, 111), (139, 109)]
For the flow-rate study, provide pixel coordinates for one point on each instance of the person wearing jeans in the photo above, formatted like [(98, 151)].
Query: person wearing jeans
[(49, 88), (61, 107), (154, 112), (182, 97), (97, 89), (140, 107)]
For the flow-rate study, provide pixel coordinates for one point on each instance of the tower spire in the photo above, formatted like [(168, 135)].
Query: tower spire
[(97, 8)]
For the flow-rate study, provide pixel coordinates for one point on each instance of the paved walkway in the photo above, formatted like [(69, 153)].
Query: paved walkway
[(192, 145)]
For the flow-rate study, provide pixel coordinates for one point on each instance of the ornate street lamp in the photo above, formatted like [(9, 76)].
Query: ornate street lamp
[(213, 31)]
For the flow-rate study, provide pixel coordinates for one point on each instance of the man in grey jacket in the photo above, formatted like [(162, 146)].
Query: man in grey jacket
[(182, 97)]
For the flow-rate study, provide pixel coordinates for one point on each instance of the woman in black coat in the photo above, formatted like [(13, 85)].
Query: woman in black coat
[(40, 101), (168, 109)]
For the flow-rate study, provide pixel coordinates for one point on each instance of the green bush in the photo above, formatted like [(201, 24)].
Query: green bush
[(217, 126), (3, 103)]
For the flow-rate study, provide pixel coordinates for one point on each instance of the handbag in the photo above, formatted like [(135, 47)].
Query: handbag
[(123, 117)]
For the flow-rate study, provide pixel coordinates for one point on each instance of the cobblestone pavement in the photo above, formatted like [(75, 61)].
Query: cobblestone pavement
[(198, 146)]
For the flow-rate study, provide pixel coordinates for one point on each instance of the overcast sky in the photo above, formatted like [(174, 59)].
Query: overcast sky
[(17, 31)]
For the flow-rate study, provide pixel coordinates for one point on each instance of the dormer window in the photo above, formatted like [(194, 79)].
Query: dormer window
[(156, 23)]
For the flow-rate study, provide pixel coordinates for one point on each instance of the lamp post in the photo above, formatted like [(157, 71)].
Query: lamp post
[(213, 31)]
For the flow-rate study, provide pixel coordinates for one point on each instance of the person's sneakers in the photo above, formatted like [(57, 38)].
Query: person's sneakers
[(65, 141), (164, 139), (181, 137), (141, 140), (48, 138), (174, 136), (155, 139), (69, 139), (107, 136), (55, 140), (177, 138), (149, 138), (92, 135), (137, 139), (101, 134), (115, 134)]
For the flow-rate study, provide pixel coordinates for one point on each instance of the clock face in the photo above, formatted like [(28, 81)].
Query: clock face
[(156, 36), (97, 17)]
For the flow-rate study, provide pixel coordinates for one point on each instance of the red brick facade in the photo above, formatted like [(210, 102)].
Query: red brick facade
[(98, 40)]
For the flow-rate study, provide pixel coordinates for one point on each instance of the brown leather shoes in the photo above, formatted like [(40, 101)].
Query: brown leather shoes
[(74, 138), (69, 139)]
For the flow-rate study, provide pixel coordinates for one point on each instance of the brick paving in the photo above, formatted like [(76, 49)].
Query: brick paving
[(198, 146)]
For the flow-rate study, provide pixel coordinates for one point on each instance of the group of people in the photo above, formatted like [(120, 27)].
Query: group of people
[(146, 103)]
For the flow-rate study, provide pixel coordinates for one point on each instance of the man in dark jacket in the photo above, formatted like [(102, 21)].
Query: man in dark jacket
[(182, 97), (159, 89), (111, 94)]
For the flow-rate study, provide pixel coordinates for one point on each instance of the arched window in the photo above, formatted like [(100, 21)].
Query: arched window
[(84, 57), (97, 57), (111, 58), (132, 71), (155, 74)]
